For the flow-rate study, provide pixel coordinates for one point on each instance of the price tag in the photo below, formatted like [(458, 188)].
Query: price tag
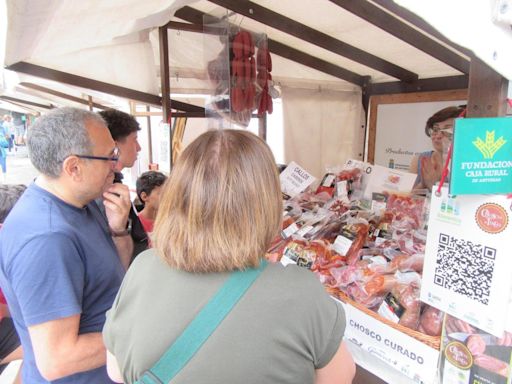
[(342, 245), (290, 230), (295, 179)]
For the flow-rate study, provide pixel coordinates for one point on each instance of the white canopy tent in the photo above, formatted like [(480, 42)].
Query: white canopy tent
[(116, 42)]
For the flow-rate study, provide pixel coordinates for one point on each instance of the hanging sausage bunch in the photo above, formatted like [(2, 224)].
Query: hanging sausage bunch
[(243, 73), (263, 77)]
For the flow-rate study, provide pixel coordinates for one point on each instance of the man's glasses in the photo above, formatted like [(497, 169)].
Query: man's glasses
[(114, 158)]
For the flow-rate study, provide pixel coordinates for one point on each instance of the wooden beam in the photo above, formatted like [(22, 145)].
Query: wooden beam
[(194, 16), (419, 23), (422, 85), (316, 63), (301, 31), (24, 107), (53, 92), (189, 114), (487, 91), (100, 86), (164, 73), (404, 32), (27, 102)]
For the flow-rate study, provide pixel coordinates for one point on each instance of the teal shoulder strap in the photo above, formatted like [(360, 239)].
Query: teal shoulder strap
[(203, 325)]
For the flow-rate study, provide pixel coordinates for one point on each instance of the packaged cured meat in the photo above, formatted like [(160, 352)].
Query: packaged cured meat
[(408, 210), (351, 239), (402, 304), (431, 321)]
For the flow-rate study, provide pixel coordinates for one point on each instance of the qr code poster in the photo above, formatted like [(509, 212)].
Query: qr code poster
[(468, 264)]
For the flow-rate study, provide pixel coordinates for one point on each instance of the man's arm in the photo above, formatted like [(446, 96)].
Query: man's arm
[(117, 208), (60, 351), (124, 246)]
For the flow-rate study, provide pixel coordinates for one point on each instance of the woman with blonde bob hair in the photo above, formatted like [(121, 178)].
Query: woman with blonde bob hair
[(219, 211)]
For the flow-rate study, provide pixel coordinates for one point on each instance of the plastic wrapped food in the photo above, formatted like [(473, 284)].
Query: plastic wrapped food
[(361, 234), (405, 263), (408, 296), (408, 211), (359, 295), (380, 284), (431, 321)]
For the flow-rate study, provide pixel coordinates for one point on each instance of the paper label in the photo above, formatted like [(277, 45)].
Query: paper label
[(285, 260), (341, 245), (328, 180), (295, 179), (341, 191), (467, 264), (391, 309), (290, 230), (304, 230)]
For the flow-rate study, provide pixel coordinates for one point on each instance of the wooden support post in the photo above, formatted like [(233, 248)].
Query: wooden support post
[(164, 80), (487, 91), (262, 126), (89, 99), (150, 142)]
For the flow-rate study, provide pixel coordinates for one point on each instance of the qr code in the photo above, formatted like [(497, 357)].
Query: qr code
[(465, 267)]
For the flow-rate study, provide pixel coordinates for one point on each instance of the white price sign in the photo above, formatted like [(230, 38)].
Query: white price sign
[(386, 179), (295, 179), (409, 356)]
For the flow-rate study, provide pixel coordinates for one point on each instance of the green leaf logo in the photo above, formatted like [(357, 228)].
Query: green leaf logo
[(489, 147)]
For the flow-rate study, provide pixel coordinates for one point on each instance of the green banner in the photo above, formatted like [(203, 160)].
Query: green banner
[(482, 156)]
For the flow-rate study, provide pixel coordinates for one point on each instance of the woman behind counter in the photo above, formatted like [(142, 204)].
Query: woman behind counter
[(429, 165), (219, 212)]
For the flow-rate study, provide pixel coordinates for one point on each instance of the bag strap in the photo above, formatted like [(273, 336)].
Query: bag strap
[(201, 327)]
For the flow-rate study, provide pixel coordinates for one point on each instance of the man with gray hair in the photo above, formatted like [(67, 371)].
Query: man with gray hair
[(59, 268)]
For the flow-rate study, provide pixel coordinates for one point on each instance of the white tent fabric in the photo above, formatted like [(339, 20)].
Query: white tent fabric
[(322, 127), (483, 26), (56, 34)]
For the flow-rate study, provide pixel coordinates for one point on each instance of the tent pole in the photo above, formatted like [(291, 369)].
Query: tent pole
[(262, 126), (150, 142), (165, 81)]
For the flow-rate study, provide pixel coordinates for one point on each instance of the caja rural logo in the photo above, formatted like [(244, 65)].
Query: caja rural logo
[(489, 168), (489, 147)]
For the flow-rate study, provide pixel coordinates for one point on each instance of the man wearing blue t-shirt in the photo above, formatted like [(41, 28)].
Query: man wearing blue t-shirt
[(59, 268)]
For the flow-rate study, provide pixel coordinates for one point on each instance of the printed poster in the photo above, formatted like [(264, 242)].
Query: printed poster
[(385, 179), (468, 263), (470, 355), (482, 162)]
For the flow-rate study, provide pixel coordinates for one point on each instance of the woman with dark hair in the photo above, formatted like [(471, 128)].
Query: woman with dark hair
[(218, 214), (429, 165)]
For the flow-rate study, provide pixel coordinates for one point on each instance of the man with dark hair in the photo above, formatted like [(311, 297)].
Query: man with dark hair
[(149, 185), (59, 267), (9, 195), (123, 128), (10, 345)]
